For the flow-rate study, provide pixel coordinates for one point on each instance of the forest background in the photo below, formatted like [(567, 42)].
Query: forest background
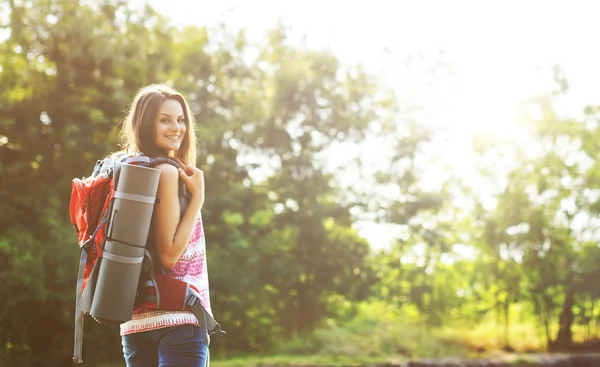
[(394, 208)]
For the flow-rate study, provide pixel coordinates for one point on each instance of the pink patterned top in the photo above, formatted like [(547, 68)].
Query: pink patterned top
[(191, 268)]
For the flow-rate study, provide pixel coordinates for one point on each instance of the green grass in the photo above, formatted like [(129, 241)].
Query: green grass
[(516, 360), (290, 360), (524, 335), (488, 336)]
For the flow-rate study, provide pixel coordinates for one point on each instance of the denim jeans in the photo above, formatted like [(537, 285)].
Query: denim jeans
[(178, 346)]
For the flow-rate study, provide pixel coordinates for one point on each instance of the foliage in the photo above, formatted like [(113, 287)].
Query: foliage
[(281, 239), (288, 271), (375, 328)]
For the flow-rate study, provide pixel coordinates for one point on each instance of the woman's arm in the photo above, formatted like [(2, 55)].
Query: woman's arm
[(171, 233)]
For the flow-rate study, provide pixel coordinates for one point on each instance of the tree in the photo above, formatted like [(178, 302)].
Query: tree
[(279, 245)]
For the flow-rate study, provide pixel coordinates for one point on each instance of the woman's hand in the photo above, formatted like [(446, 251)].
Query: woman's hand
[(194, 179)]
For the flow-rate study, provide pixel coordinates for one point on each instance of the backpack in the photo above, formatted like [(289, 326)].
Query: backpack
[(111, 212)]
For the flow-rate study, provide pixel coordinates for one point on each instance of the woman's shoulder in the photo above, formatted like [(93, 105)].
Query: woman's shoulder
[(167, 170), (169, 177)]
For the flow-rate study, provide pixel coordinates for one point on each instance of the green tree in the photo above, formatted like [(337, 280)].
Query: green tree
[(279, 236)]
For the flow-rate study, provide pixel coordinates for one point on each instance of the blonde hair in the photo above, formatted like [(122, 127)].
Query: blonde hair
[(138, 132)]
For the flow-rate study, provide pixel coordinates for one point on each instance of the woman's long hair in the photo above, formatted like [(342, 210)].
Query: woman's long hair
[(138, 133)]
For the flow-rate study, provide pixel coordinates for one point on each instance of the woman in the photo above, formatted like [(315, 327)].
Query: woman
[(159, 123)]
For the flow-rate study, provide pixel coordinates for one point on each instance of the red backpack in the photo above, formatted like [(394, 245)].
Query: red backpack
[(90, 212)]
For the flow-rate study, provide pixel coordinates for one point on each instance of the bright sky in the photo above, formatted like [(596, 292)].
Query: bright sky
[(495, 48)]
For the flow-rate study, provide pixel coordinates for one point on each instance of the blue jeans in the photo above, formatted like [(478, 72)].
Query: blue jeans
[(169, 347)]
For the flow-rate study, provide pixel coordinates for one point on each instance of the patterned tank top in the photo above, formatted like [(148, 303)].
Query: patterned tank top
[(190, 268)]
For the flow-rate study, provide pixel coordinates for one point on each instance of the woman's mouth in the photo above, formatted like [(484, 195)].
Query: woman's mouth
[(173, 137)]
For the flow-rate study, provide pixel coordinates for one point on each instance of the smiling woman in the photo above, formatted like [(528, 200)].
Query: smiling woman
[(171, 126), (159, 124)]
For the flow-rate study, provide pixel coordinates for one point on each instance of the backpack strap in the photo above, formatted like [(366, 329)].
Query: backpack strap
[(207, 322), (173, 294), (161, 291), (83, 301), (184, 196), (79, 314), (205, 319), (137, 159)]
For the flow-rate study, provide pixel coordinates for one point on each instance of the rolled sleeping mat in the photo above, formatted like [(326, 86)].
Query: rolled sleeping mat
[(121, 263)]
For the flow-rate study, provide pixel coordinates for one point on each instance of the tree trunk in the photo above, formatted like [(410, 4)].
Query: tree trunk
[(565, 335), (505, 342)]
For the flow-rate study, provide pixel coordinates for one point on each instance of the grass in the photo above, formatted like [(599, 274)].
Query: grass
[(287, 360), (524, 335), (291, 360), (487, 336)]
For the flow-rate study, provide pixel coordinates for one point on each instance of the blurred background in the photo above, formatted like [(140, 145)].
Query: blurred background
[(385, 179)]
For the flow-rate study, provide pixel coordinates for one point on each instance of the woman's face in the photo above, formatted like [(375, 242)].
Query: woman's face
[(170, 126)]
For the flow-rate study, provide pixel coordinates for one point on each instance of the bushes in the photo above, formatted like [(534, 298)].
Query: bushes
[(372, 329)]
